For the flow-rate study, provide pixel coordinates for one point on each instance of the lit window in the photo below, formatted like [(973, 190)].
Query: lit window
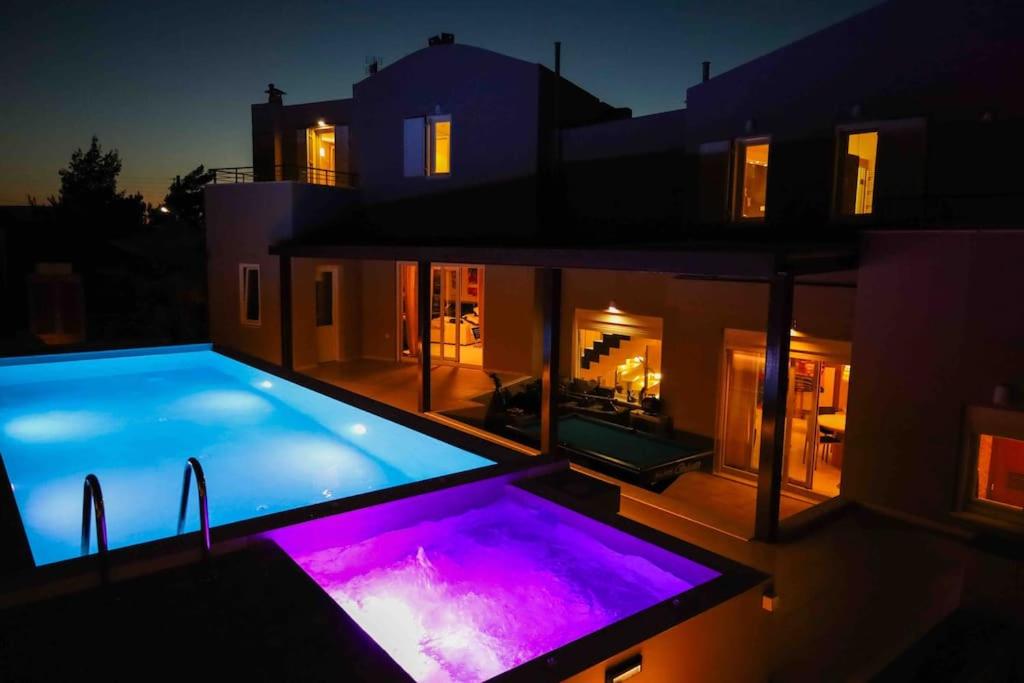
[(1000, 471), (993, 483), (249, 291), (320, 155), (428, 146), (857, 161), (441, 134), (752, 179)]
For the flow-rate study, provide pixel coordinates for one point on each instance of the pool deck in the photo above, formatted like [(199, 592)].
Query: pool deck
[(252, 615)]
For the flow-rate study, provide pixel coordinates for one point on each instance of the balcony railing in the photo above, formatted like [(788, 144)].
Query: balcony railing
[(301, 174)]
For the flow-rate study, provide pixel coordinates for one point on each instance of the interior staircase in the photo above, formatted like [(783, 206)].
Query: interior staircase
[(601, 348)]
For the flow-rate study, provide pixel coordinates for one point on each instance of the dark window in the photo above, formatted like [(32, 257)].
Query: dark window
[(251, 294)]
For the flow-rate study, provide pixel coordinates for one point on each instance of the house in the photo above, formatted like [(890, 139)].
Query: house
[(781, 319)]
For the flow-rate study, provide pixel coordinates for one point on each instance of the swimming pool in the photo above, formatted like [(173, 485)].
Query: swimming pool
[(466, 583), (133, 419)]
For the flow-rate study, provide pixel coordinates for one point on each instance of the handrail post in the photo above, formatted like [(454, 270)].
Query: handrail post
[(204, 511), (92, 497)]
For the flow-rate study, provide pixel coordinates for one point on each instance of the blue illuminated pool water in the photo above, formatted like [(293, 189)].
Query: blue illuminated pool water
[(266, 445)]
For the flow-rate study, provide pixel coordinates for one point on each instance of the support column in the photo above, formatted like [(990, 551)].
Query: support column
[(549, 289), (285, 275), (423, 283), (773, 414)]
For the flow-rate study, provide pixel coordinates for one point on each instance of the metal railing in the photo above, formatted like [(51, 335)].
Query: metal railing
[(204, 511), (92, 497), (302, 174)]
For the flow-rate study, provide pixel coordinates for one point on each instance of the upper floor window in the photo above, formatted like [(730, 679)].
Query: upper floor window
[(320, 155), (751, 179), (858, 154), (441, 145), (249, 293), (427, 146)]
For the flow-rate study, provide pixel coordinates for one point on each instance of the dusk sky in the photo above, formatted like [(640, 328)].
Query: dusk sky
[(169, 84)]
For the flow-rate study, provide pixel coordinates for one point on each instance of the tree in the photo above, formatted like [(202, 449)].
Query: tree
[(184, 199), (89, 197)]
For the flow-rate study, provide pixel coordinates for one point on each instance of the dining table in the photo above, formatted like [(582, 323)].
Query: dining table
[(835, 422)]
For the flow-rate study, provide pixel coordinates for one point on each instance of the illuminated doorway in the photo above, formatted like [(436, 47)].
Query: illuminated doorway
[(456, 313), (326, 160), (816, 405)]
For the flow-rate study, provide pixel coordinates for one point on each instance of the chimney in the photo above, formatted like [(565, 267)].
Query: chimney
[(558, 58), (274, 95), (442, 39), (705, 72)]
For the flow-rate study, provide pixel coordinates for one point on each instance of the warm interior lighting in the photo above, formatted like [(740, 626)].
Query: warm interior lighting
[(611, 308), (320, 123), (857, 174), (1000, 474), (442, 146), (164, 209), (753, 181), (320, 154)]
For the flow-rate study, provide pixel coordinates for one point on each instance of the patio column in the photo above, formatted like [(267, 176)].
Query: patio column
[(549, 289), (423, 283), (773, 414), (285, 275)]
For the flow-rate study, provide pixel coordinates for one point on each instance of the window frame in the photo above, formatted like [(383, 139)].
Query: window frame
[(431, 142), (243, 270), (993, 421), (842, 136), (738, 159)]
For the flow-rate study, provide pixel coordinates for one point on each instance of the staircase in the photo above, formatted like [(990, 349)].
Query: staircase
[(601, 348)]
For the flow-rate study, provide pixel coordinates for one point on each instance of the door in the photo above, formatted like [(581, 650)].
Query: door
[(802, 421), (408, 312), (456, 301), (741, 428), (328, 332), (815, 425)]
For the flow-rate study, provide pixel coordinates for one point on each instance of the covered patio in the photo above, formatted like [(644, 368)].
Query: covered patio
[(747, 509)]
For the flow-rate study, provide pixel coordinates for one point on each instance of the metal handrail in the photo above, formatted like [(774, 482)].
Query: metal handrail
[(302, 174), (204, 511), (92, 497)]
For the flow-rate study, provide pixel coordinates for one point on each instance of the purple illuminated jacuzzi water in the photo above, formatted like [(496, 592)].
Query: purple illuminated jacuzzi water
[(466, 583)]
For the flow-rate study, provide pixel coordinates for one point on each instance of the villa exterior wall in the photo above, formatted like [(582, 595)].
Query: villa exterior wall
[(938, 327), (304, 309), (492, 100), (242, 221), (509, 320)]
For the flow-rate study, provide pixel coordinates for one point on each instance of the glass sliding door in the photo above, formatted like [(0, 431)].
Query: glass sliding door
[(801, 420), (815, 425), (741, 428), (455, 314)]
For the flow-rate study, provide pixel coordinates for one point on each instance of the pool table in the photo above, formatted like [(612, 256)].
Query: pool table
[(631, 455)]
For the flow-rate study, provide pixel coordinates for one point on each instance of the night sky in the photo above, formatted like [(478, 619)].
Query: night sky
[(169, 84)]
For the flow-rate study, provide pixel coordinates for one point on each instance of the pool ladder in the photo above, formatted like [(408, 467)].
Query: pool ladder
[(92, 497), (204, 512)]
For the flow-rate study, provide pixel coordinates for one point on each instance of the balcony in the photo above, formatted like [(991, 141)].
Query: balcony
[(301, 174)]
